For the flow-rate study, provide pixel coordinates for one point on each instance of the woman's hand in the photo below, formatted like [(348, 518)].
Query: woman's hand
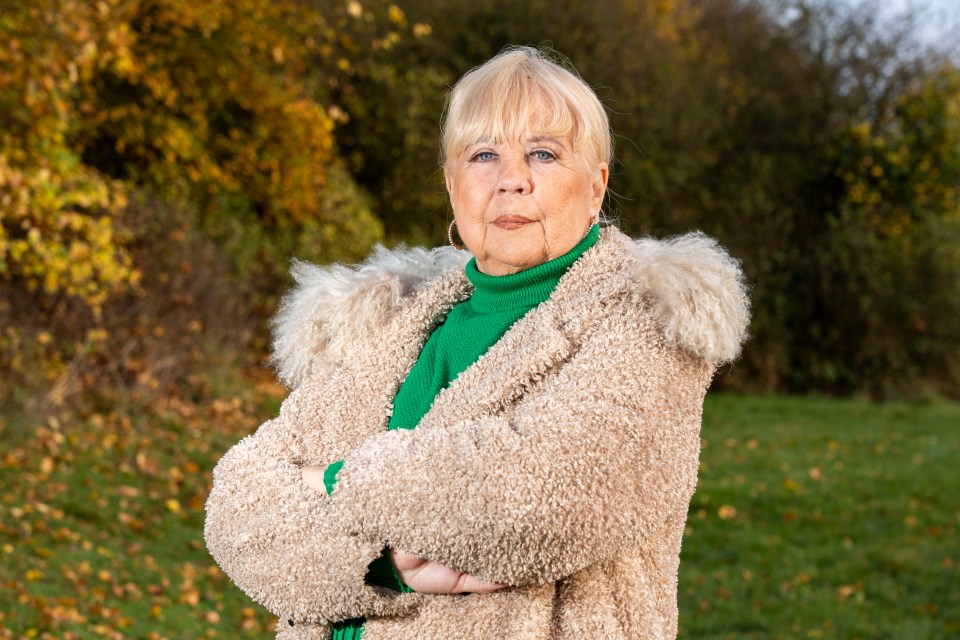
[(424, 576), (420, 574), (313, 477)]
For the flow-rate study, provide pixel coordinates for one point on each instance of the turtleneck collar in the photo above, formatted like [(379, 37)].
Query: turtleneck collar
[(527, 288)]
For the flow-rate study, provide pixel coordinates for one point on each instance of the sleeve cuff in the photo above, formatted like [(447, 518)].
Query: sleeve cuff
[(330, 475), (382, 573)]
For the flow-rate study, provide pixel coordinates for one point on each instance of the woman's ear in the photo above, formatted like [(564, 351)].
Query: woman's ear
[(448, 179), (600, 185)]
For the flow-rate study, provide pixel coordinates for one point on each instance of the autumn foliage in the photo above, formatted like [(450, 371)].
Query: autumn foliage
[(162, 160), (58, 232), (154, 149)]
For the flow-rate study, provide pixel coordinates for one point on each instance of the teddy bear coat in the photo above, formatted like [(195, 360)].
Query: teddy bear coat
[(561, 463)]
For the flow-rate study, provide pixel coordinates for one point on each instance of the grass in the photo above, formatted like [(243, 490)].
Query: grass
[(813, 518), (824, 519), (101, 525)]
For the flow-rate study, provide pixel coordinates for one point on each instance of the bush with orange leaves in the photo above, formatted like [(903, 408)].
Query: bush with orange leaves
[(138, 137)]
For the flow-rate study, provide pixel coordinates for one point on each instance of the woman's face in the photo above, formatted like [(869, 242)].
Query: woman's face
[(521, 203)]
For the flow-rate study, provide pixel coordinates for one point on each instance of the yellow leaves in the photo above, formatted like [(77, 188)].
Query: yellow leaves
[(190, 596), (49, 242), (396, 15), (127, 491), (202, 110), (422, 30), (106, 577), (46, 465), (146, 465), (862, 131), (903, 167), (173, 505), (727, 512), (41, 180)]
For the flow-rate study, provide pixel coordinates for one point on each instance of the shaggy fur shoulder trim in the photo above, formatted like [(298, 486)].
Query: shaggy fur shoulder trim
[(331, 306), (699, 291)]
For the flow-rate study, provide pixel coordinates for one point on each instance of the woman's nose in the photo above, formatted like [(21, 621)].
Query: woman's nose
[(515, 174)]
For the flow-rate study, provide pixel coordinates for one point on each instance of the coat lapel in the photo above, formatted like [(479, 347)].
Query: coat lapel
[(539, 342), (526, 353), (372, 370)]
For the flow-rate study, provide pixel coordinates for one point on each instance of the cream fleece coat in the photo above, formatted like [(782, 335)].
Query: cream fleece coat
[(561, 463)]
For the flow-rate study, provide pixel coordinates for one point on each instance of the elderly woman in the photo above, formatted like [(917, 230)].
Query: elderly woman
[(494, 443)]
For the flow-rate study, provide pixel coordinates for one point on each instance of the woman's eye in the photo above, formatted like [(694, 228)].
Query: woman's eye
[(543, 155), (483, 156)]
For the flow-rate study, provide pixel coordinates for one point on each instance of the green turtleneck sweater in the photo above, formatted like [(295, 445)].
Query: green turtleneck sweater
[(471, 328)]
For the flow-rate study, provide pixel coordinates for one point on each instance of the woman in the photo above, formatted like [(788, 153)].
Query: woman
[(521, 430)]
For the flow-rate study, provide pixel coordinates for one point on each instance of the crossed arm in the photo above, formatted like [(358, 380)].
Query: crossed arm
[(419, 574), (594, 461), (274, 536)]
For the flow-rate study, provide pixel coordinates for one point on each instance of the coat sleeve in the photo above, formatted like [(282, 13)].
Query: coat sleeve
[(598, 458), (272, 534)]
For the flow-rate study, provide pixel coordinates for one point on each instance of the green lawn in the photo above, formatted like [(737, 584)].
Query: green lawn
[(824, 519), (813, 518)]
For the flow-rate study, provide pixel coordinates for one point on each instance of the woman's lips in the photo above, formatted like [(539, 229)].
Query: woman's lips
[(511, 222)]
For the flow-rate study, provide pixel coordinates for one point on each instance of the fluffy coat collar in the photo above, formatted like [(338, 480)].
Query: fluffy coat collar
[(697, 292)]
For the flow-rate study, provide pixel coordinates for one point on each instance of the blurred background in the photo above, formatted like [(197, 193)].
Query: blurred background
[(161, 162)]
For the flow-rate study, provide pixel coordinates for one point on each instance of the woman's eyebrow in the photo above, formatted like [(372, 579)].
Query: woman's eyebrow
[(559, 143), (478, 142), (545, 139)]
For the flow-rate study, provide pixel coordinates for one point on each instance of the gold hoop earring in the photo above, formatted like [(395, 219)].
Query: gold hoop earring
[(593, 221), (458, 247)]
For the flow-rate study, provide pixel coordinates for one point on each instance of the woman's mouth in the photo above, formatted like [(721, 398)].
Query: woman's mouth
[(511, 222)]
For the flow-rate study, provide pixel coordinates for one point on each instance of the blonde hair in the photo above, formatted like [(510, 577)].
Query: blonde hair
[(499, 98)]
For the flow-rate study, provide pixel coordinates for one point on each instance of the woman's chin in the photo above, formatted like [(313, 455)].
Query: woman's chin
[(506, 263)]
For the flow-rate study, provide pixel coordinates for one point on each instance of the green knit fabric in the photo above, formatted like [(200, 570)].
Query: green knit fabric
[(471, 328)]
